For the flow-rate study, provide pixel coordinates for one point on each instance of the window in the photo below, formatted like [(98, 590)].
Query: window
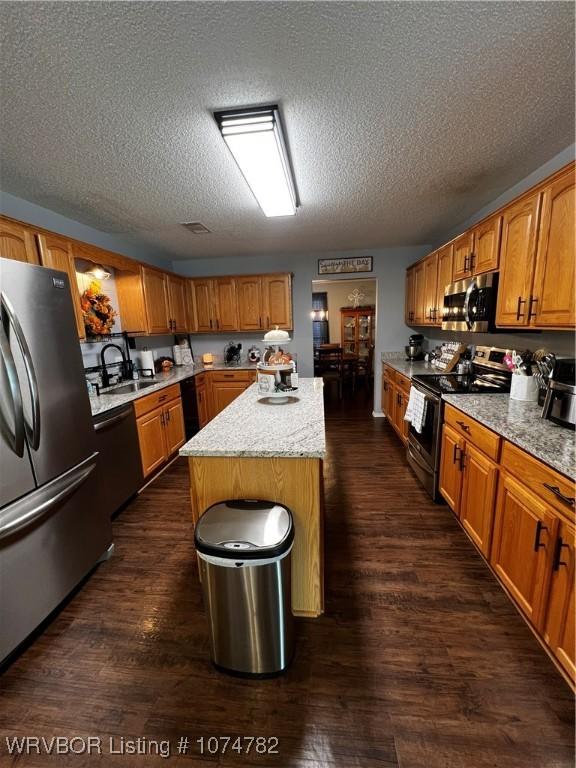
[(320, 329)]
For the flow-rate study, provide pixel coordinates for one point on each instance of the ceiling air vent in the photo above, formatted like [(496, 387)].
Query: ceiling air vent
[(196, 228)]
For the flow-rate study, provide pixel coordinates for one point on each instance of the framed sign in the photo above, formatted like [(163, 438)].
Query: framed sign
[(342, 266)]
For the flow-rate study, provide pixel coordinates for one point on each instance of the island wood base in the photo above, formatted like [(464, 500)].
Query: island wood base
[(296, 483)]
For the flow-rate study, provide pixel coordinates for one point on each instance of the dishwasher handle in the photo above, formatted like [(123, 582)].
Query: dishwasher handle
[(115, 417)]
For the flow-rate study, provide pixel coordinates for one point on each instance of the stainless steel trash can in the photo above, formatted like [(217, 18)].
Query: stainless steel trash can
[(244, 550)]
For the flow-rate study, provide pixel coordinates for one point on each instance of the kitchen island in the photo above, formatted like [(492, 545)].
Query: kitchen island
[(258, 449)]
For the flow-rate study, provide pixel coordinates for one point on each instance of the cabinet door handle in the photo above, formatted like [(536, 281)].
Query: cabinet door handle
[(464, 426), (518, 313), (539, 528), (217, 324), (462, 460), (162, 419), (472, 257), (167, 416), (557, 492), (161, 398), (533, 300), (455, 454), (210, 323), (558, 554), (465, 263)]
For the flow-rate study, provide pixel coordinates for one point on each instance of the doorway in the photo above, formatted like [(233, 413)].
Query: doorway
[(343, 318)]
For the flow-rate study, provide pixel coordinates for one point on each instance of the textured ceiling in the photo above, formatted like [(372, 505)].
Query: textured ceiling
[(402, 118)]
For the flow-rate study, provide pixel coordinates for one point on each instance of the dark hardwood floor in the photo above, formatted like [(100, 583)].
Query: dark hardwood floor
[(419, 662)]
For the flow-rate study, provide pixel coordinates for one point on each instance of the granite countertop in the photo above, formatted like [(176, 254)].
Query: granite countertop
[(108, 400), (255, 427), (410, 368), (520, 423)]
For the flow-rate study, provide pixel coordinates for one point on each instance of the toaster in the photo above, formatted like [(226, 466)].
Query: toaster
[(560, 402)]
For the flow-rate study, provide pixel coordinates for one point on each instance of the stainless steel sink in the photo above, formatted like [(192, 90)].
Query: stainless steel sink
[(134, 386)]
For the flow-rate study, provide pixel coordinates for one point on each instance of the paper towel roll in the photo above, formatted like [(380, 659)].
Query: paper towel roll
[(177, 354), (147, 360)]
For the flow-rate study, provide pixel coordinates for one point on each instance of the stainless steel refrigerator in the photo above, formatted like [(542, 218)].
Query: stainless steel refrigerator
[(52, 529)]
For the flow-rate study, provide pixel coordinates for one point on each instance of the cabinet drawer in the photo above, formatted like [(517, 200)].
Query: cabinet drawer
[(149, 402), (222, 376), (483, 438), (403, 382), (549, 485)]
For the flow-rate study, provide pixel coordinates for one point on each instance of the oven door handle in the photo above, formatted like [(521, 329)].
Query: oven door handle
[(473, 285)]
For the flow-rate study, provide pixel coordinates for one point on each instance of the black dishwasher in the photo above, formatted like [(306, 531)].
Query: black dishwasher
[(190, 407), (119, 468)]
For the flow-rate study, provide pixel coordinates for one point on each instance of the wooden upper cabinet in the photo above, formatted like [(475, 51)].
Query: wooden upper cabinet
[(430, 309), (478, 493), (553, 297), (418, 292), (225, 304), (131, 303), (561, 613), (176, 292), (486, 249), (409, 297), (57, 253), (277, 301), (191, 307), (517, 257), (204, 305), (17, 242), (450, 485), (445, 256), (249, 295), (523, 546), (156, 299), (463, 248)]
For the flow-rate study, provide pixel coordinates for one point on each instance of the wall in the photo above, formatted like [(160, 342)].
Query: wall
[(559, 342), (338, 292), (389, 269), (22, 210), (554, 164)]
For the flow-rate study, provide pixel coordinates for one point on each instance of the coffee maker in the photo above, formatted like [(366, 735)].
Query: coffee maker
[(560, 402), (414, 348)]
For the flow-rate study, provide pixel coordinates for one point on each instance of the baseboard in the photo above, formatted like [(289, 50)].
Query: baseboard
[(378, 414)]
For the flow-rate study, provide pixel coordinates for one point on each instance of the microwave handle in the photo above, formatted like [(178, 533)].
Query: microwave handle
[(473, 285)]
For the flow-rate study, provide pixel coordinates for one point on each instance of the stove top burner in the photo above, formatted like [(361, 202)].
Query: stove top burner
[(457, 384)]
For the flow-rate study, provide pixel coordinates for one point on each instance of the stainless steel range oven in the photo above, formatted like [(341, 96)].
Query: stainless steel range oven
[(489, 374)]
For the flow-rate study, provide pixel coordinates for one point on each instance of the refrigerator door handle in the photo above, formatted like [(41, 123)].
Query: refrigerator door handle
[(33, 433), (16, 437), (37, 504)]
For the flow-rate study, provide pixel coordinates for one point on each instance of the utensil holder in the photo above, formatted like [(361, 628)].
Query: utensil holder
[(524, 388)]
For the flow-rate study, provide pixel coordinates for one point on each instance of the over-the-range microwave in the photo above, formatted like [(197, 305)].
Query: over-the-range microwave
[(470, 304)]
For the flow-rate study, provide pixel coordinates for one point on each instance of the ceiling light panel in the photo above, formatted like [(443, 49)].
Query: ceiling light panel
[(255, 138)]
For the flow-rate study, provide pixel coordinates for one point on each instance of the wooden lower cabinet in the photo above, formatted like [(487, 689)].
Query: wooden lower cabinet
[(522, 551), (519, 514), (151, 439), (560, 616), (217, 389), (395, 395), (223, 393), (160, 423), (450, 468), (480, 476)]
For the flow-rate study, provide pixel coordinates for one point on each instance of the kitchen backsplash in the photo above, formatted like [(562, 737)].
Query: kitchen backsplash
[(562, 343), (162, 346)]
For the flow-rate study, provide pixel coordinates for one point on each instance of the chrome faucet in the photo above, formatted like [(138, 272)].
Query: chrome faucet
[(105, 374)]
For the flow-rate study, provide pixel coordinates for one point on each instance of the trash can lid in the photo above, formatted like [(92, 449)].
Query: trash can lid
[(252, 529)]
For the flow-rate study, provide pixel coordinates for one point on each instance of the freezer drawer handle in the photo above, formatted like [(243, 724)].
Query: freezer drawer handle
[(15, 437), (35, 505), (33, 433)]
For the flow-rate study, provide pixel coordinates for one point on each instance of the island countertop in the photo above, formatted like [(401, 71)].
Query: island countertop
[(254, 427)]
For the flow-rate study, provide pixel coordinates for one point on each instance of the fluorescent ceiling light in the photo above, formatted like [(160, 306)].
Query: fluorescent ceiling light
[(254, 136)]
